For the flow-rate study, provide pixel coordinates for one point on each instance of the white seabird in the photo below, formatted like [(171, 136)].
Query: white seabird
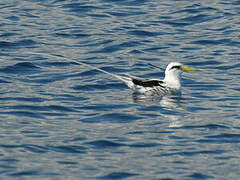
[(170, 85)]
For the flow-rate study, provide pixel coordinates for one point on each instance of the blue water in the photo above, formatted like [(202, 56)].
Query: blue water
[(60, 120)]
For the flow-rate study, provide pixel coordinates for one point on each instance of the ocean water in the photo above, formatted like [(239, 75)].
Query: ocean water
[(62, 120)]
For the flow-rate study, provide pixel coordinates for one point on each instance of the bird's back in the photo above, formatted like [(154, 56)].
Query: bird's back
[(149, 86)]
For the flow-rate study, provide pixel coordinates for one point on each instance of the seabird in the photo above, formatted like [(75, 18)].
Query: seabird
[(170, 85)]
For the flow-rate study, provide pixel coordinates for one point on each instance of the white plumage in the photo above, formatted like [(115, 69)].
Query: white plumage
[(171, 84)]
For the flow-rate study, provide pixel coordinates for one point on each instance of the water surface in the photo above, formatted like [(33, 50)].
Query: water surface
[(61, 120)]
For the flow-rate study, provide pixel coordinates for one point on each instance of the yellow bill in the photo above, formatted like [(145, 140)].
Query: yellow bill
[(185, 68)]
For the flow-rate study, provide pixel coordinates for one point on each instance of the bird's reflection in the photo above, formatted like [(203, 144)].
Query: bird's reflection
[(172, 106), (165, 101)]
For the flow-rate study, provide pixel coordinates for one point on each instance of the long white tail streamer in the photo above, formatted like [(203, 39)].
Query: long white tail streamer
[(93, 67), (122, 78)]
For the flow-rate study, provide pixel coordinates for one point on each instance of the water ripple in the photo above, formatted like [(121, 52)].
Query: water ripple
[(79, 7), (105, 144), (199, 176), (193, 153), (23, 67), (113, 118), (25, 173), (26, 43), (68, 149), (60, 120), (118, 175)]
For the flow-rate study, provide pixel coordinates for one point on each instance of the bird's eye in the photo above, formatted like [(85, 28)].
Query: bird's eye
[(176, 67)]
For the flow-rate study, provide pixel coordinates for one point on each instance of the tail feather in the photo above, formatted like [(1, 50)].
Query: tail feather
[(125, 79)]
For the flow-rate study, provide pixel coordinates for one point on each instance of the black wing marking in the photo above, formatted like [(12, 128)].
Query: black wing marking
[(147, 83)]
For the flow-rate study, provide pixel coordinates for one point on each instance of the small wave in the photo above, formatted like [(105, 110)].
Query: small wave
[(116, 47), (35, 148), (144, 33), (24, 113), (192, 153), (56, 63), (200, 176), (68, 149), (105, 144), (17, 44), (118, 175), (143, 145), (113, 118), (3, 81), (70, 35), (207, 126), (126, 13), (22, 67), (79, 7), (204, 63), (34, 108), (25, 173), (99, 87)]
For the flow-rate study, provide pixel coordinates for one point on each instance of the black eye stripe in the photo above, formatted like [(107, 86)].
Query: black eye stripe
[(176, 67)]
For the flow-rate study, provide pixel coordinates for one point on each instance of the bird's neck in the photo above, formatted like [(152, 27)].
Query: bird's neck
[(173, 81)]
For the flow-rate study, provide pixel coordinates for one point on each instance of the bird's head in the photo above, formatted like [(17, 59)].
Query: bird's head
[(174, 70)]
